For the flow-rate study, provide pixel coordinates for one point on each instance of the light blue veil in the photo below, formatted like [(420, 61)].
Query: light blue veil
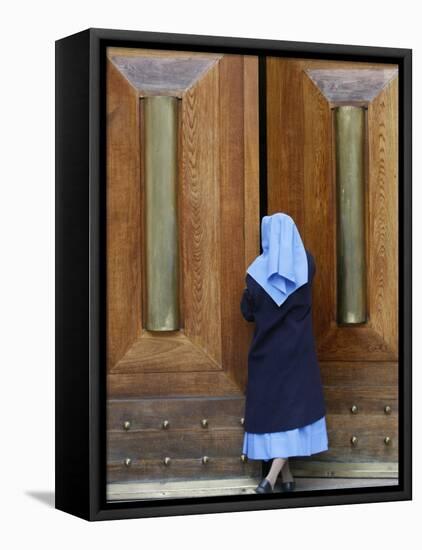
[(283, 265)]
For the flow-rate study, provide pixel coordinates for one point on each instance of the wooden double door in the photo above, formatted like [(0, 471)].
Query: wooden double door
[(175, 394)]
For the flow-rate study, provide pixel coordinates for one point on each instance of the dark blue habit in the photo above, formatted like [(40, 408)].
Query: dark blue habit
[(284, 388)]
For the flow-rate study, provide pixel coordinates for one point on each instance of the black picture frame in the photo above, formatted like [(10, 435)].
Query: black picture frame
[(80, 270)]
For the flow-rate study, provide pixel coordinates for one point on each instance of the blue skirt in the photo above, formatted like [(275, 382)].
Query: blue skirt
[(306, 440)]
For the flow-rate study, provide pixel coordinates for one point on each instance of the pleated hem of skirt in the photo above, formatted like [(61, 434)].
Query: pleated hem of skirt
[(306, 441), (285, 454)]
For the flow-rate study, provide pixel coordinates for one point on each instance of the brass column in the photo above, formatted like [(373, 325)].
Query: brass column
[(161, 216), (350, 188)]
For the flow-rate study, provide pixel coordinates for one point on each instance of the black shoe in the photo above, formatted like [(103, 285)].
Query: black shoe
[(288, 486), (264, 487)]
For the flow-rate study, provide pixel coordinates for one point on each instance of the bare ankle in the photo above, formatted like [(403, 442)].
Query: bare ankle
[(286, 473)]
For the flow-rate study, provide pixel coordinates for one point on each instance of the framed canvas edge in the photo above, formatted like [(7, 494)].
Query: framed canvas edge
[(86, 383)]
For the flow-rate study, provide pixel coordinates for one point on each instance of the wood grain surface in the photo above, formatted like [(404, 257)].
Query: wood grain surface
[(358, 363), (219, 224)]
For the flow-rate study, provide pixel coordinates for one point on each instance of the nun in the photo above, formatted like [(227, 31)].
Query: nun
[(284, 402)]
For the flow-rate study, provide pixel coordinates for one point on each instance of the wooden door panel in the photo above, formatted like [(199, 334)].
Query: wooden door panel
[(201, 217), (136, 432), (218, 201), (383, 214), (148, 414), (199, 371), (358, 362), (164, 383), (179, 469), (301, 182), (123, 221)]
